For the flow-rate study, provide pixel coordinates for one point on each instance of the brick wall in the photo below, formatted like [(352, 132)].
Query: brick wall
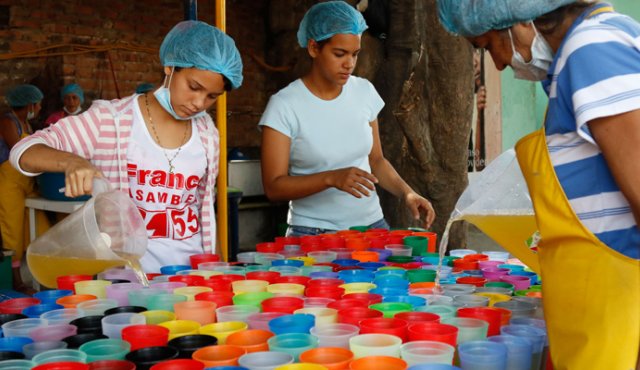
[(42, 23)]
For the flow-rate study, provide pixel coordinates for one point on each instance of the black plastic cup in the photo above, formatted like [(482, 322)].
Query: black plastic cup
[(188, 344), (8, 317), (88, 324), (123, 309), (146, 357), (245, 264), (75, 341), (11, 355), (118, 281)]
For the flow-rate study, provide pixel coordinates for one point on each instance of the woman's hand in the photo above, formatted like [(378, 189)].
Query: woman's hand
[(353, 181), (418, 205), (79, 174)]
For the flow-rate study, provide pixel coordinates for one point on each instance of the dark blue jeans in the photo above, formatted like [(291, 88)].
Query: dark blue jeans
[(294, 230)]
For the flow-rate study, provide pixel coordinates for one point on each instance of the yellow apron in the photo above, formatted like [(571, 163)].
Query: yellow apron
[(14, 189), (591, 293)]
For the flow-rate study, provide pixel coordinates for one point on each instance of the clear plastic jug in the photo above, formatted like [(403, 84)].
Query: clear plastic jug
[(498, 203), (106, 231)]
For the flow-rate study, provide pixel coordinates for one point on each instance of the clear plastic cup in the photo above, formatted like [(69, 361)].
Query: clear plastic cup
[(105, 349), (264, 360), (21, 327), (334, 335), (236, 312), (292, 343), (112, 325), (61, 316), (438, 300), (190, 292), (470, 300), (287, 270), (203, 312), (222, 330), (399, 249), (537, 336), (323, 315), (517, 308), (519, 351), (97, 288), (165, 301), (60, 355), (497, 256), (469, 329), (141, 297), (364, 345), (17, 365), (260, 320), (427, 352), (34, 348), (155, 317), (120, 292), (52, 332), (179, 328), (483, 355), (323, 256), (247, 257), (96, 306), (267, 258), (210, 266)]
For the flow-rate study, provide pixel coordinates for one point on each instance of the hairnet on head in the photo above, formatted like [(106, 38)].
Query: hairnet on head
[(195, 44), (144, 87), (72, 89), (324, 20), (23, 95), (476, 17)]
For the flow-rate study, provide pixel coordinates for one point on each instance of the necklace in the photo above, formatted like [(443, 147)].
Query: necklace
[(155, 133)]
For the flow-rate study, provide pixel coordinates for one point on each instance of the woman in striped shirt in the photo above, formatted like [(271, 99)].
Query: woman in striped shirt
[(160, 147)]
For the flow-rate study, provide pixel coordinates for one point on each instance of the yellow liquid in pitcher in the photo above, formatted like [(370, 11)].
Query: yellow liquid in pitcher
[(510, 231), (45, 269)]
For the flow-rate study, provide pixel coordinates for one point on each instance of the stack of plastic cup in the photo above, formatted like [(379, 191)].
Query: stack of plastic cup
[(105, 349), (483, 355), (519, 351), (221, 330), (236, 312), (364, 345), (427, 352), (264, 360), (112, 325), (252, 340), (292, 343)]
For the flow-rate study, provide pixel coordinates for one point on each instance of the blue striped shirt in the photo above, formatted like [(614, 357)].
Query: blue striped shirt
[(596, 73)]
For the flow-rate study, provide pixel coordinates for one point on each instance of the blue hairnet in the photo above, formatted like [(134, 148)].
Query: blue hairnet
[(324, 20), (195, 44), (144, 87), (23, 95), (476, 17), (72, 89)]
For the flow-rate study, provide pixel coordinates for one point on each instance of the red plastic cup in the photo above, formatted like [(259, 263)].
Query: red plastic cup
[(218, 285), (269, 248), (152, 275), (433, 331), (410, 265), (112, 365), (332, 292), (432, 239), (282, 304), (383, 325), (403, 233), (371, 298), (378, 362), (64, 365), (269, 276), (141, 336), (462, 264), (416, 316), (324, 283), (67, 282), (287, 240), (197, 259), (347, 303), (395, 239), (476, 257), (354, 315), (16, 305), (221, 299), (493, 317), (181, 364), (190, 280), (302, 280), (357, 244), (473, 280), (505, 315), (332, 242)]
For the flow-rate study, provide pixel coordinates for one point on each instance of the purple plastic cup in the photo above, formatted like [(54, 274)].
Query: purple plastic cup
[(120, 292), (53, 332)]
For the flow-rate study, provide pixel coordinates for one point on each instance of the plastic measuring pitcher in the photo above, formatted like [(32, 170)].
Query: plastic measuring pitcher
[(498, 203), (106, 231)]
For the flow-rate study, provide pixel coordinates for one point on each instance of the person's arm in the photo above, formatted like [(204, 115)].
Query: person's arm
[(9, 132), (619, 137), (278, 185), (391, 181)]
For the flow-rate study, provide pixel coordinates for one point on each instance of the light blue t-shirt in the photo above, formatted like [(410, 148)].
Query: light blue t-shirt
[(596, 73), (327, 135)]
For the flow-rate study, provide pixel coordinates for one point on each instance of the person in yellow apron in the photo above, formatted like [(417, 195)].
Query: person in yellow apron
[(581, 168), (25, 104)]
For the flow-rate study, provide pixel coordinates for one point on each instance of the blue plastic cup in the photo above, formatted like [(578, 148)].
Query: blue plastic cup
[(537, 336), (413, 300), (389, 291), (401, 273), (173, 269), (296, 323), (293, 263), (35, 311), (483, 355), (292, 343), (519, 351), (14, 344), (373, 266), (50, 296)]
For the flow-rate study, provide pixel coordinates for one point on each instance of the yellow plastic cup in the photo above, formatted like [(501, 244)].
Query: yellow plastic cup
[(249, 286), (357, 287), (222, 330), (308, 261), (494, 297), (323, 315), (191, 291), (302, 366), (155, 317), (286, 290), (205, 273), (97, 288), (180, 328)]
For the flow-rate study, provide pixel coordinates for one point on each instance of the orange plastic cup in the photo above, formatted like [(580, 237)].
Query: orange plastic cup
[(365, 256), (432, 240), (357, 244), (220, 355), (71, 301), (253, 340), (378, 362), (505, 315), (332, 358)]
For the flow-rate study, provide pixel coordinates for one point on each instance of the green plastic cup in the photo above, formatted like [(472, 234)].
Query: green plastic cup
[(251, 298), (105, 349), (445, 312), (400, 259), (419, 276), (418, 243), (390, 309), (499, 284), (359, 228), (165, 302)]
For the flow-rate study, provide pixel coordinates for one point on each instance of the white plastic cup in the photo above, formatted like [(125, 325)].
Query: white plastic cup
[(364, 345), (335, 335), (112, 325), (427, 352)]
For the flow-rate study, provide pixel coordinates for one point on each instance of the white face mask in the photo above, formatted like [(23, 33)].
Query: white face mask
[(74, 112), (31, 114), (541, 59)]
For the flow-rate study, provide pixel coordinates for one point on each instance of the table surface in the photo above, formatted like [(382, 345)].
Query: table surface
[(53, 205)]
